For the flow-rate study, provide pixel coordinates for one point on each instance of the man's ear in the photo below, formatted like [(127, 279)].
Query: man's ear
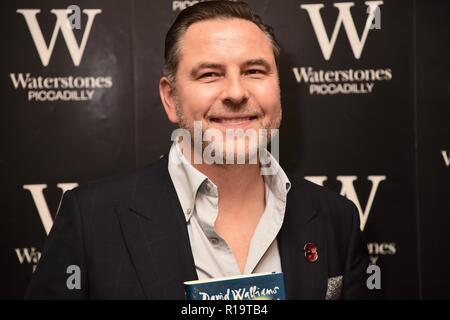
[(166, 93)]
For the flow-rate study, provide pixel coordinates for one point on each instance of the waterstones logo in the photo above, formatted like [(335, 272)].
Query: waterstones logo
[(377, 249), (446, 157), (346, 81), (37, 193), (63, 24), (181, 5), (344, 19), (68, 88), (348, 190), (349, 81), (64, 87), (29, 256)]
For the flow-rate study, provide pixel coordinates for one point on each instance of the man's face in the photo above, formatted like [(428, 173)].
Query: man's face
[(227, 77)]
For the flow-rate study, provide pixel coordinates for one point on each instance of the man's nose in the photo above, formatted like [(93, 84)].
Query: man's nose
[(235, 93)]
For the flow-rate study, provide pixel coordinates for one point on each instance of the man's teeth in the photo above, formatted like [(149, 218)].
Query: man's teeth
[(232, 120)]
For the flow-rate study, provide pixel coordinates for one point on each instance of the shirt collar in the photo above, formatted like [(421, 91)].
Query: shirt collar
[(187, 180), (275, 177)]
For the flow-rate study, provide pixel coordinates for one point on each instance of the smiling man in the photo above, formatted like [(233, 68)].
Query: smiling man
[(143, 234)]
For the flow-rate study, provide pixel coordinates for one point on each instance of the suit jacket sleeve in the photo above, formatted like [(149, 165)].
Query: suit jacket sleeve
[(64, 247)]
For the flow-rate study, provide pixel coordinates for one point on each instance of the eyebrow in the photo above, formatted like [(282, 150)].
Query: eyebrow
[(248, 63), (257, 62), (205, 65)]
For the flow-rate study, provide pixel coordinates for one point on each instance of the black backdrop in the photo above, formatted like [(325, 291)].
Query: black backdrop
[(378, 134)]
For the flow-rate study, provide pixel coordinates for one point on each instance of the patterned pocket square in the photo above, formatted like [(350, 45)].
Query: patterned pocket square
[(334, 288)]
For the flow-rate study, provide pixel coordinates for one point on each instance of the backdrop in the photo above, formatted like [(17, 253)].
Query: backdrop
[(366, 110)]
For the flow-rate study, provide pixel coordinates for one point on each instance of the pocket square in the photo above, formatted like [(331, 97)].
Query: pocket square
[(334, 288)]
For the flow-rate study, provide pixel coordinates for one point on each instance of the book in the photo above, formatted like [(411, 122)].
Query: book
[(258, 286)]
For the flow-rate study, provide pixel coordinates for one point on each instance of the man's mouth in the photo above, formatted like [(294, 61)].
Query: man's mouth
[(232, 120)]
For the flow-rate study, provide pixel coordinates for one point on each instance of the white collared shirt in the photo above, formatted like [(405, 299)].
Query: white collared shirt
[(199, 198)]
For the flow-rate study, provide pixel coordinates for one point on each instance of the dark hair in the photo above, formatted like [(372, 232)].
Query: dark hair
[(206, 11)]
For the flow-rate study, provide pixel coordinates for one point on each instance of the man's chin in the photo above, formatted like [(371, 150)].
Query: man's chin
[(230, 153)]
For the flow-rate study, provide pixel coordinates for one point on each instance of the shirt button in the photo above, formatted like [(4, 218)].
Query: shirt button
[(214, 241), (188, 211), (208, 188)]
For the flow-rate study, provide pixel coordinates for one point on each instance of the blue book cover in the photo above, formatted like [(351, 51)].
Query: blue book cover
[(258, 286)]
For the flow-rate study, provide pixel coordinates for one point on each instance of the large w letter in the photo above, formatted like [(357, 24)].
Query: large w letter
[(41, 204), (63, 24), (345, 18)]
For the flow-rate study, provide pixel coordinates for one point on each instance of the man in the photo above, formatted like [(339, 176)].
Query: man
[(143, 234)]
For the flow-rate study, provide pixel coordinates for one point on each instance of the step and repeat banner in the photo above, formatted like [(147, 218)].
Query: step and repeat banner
[(366, 113)]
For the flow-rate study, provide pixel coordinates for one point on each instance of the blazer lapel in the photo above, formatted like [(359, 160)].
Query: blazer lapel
[(154, 229), (303, 224), (155, 233)]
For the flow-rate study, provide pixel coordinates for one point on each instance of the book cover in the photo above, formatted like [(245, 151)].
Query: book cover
[(259, 286)]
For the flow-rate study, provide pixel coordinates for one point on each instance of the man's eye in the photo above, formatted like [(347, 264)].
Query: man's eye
[(254, 71), (208, 75)]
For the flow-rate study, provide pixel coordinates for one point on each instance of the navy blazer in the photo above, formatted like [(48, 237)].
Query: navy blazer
[(128, 236)]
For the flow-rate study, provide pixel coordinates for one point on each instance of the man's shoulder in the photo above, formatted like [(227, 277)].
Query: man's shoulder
[(121, 186), (314, 190), (322, 199)]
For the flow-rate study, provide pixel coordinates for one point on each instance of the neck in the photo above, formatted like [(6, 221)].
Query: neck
[(235, 181)]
